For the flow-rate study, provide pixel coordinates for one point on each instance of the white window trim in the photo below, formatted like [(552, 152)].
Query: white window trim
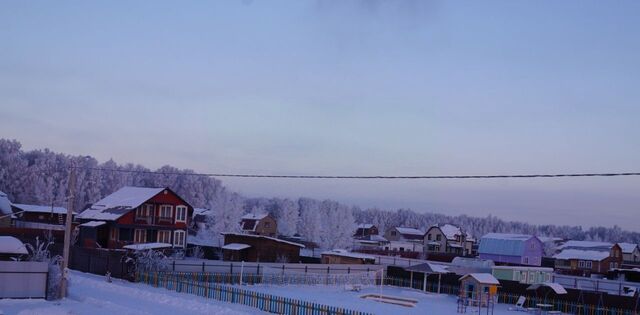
[(178, 210), (176, 238)]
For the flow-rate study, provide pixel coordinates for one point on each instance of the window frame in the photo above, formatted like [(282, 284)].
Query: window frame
[(164, 233), (135, 236), (181, 210), (182, 239), (163, 208)]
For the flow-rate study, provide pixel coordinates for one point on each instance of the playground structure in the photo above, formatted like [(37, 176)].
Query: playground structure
[(478, 290)]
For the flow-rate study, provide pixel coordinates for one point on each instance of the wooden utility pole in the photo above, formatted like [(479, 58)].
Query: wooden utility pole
[(67, 232)]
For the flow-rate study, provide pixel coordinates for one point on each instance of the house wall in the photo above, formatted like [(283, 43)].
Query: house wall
[(630, 257), (533, 251), (40, 217), (265, 250), (267, 227), (502, 258), (392, 235), (5, 222), (432, 236)]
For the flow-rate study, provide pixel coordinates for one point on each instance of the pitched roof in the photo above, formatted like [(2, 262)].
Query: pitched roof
[(236, 246), (600, 246), (41, 209), (581, 254), (503, 244), (450, 231), (119, 203), (365, 225), (628, 248), (483, 278)]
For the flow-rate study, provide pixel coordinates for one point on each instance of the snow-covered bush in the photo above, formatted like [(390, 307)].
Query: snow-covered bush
[(150, 260)]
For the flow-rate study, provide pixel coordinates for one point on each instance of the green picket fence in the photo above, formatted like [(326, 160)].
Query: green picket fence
[(190, 283), (564, 306)]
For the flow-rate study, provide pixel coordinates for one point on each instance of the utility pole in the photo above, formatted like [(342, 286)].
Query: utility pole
[(67, 232)]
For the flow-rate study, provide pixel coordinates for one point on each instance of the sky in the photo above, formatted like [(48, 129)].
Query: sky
[(343, 88)]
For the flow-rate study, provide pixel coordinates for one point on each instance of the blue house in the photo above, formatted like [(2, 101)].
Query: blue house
[(514, 249)]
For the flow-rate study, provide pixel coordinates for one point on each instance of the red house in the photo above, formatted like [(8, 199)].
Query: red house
[(136, 215)]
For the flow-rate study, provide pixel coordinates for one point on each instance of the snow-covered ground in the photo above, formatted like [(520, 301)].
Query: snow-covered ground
[(428, 303), (91, 294)]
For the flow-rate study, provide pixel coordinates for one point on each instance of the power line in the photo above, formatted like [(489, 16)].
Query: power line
[(364, 177)]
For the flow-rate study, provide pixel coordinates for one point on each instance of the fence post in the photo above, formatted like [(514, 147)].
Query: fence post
[(328, 271), (231, 268), (173, 266), (305, 268), (203, 266), (258, 269), (348, 270)]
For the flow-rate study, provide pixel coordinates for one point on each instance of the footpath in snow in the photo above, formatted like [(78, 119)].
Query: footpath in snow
[(92, 295)]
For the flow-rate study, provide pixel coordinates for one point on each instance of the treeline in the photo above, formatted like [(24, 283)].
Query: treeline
[(41, 177)]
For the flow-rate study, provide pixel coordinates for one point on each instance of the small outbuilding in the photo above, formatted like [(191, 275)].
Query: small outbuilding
[(11, 247), (259, 248), (341, 256), (478, 288)]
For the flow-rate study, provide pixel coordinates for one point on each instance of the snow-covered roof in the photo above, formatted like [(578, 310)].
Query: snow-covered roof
[(409, 231), (41, 209), (582, 254), (119, 203), (601, 246), (365, 226), (628, 248), (145, 246), (12, 245), (199, 211), (254, 216), (483, 278), (262, 236), (504, 244), (429, 268), (236, 246), (202, 240), (93, 223), (5, 204), (345, 253), (450, 231), (524, 268)]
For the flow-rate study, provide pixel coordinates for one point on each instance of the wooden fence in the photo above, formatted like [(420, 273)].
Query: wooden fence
[(266, 302)]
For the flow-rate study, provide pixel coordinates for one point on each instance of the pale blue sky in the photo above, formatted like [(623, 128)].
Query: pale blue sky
[(343, 87)]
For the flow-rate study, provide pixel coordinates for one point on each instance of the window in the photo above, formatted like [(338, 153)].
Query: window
[(267, 224), (149, 209), (588, 264), (613, 265), (114, 234), (438, 237), (140, 236), (429, 237), (526, 260), (166, 212), (178, 238), (581, 264), (164, 236), (393, 233), (181, 214)]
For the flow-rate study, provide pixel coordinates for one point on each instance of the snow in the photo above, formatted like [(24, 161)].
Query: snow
[(427, 303), (11, 245), (345, 253), (92, 294), (261, 236), (483, 278), (204, 240), (93, 223), (147, 246), (409, 231), (507, 236), (199, 211), (593, 255), (114, 206), (556, 287), (450, 231), (628, 248), (255, 216), (236, 246), (41, 209), (365, 226), (602, 246)]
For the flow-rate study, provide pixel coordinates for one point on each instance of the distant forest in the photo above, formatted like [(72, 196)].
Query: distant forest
[(41, 177)]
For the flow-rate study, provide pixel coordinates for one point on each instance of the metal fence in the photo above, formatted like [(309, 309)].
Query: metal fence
[(265, 302), (23, 279), (219, 266), (567, 307), (597, 285)]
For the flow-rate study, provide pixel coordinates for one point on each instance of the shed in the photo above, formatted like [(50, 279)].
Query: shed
[(11, 247), (478, 288), (261, 248)]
